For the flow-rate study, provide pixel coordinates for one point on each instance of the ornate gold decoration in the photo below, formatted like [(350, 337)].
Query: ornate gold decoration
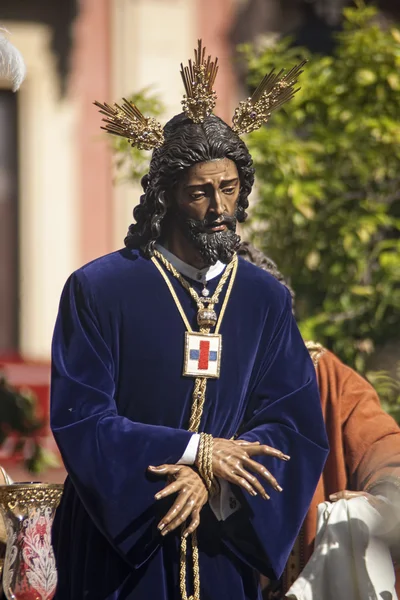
[(146, 133), (215, 343), (273, 91), (198, 398), (316, 351), (198, 79), (30, 495), (206, 317)]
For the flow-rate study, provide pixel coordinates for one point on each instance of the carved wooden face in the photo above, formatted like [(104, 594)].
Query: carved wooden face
[(208, 192)]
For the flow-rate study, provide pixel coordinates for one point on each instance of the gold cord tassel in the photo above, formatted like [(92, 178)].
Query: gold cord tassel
[(205, 470)]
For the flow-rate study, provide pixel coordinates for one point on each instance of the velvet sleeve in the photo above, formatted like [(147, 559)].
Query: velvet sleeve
[(285, 413), (105, 454)]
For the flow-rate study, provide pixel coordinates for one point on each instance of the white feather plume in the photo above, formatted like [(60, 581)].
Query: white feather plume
[(12, 65)]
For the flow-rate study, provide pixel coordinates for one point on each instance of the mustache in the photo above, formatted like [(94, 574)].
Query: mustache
[(203, 225), (212, 245)]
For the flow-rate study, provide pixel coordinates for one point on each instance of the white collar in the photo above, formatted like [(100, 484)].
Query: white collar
[(202, 275)]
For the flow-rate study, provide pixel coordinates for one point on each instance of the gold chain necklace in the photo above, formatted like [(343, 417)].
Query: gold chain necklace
[(202, 359)]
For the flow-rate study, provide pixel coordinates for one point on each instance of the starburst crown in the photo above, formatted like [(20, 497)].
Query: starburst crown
[(146, 133)]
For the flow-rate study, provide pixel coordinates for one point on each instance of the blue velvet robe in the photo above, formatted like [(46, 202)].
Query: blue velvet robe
[(119, 404)]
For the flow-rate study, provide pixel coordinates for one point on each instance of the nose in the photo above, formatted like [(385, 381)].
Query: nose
[(216, 204)]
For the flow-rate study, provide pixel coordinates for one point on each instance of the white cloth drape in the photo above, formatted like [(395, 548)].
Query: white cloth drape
[(351, 560)]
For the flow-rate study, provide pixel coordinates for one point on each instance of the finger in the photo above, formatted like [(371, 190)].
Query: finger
[(256, 485), (267, 451), (173, 487), (246, 443), (175, 509), (261, 470), (181, 516), (195, 522), (243, 483), (164, 469), (346, 495)]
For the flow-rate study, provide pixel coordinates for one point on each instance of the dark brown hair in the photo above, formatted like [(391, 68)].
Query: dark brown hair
[(186, 144)]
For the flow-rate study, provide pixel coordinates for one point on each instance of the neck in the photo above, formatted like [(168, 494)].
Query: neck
[(184, 250)]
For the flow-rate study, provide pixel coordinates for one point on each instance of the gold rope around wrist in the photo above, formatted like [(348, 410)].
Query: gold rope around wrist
[(205, 459)]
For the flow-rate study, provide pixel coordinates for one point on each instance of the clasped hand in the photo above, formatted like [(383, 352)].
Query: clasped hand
[(232, 461), (191, 493)]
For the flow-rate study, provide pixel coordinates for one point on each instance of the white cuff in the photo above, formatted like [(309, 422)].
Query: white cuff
[(189, 456), (225, 503)]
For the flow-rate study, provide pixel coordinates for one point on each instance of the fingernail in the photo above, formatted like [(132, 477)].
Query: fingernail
[(157, 496), (278, 488), (285, 457), (333, 497), (266, 497), (161, 526), (164, 532), (185, 535), (253, 493)]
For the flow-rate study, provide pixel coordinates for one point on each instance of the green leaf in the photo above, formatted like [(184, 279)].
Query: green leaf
[(362, 290), (394, 81)]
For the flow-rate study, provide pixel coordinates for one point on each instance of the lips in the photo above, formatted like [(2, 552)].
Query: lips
[(216, 226)]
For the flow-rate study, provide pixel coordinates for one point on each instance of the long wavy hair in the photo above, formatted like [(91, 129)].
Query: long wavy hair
[(186, 144)]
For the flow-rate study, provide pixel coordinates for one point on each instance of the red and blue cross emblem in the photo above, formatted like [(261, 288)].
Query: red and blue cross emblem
[(202, 355)]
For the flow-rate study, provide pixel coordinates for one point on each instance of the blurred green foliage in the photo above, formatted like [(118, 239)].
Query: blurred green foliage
[(388, 389), (328, 209)]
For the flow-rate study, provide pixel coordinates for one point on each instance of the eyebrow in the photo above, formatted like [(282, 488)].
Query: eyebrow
[(224, 182)]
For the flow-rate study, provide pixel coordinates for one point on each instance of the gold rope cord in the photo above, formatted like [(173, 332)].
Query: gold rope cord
[(198, 401), (215, 297)]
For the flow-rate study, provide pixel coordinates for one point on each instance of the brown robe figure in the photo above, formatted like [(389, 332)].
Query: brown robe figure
[(364, 444), (364, 447)]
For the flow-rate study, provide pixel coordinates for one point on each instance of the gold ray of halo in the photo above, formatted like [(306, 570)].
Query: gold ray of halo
[(274, 90), (198, 79), (145, 133)]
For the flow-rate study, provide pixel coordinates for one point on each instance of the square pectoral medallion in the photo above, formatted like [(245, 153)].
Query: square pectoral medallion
[(202, 355)]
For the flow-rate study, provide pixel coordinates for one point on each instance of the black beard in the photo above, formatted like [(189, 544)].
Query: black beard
[(211, 245)]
